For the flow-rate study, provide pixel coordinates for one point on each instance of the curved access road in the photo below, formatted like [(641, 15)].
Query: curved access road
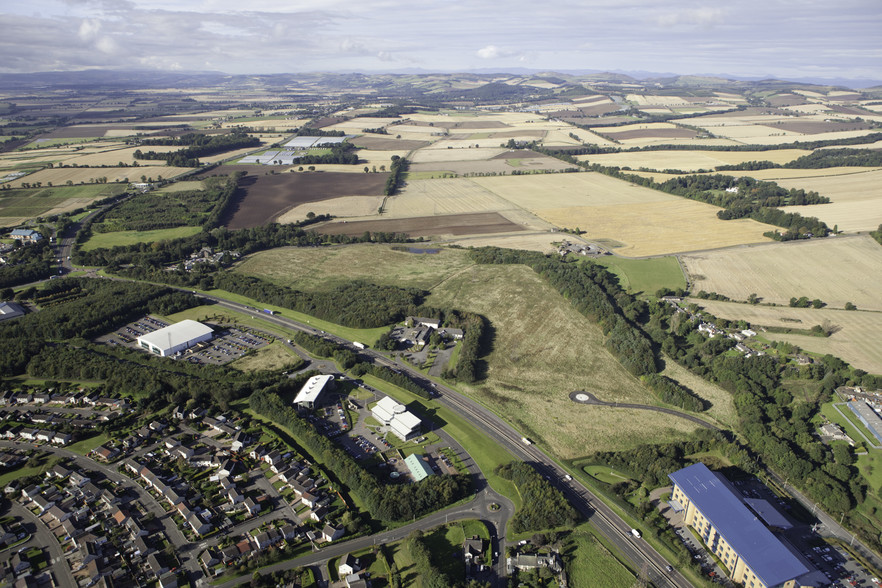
[(583, 397)]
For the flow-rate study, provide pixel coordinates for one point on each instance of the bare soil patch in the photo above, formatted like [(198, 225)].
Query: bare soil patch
[(328, 121), (384, 144), (786, 100), (266, 197), (426, 226), (599, 109), (81, 131)]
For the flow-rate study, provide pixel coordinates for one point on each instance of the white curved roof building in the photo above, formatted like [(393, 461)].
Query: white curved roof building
[(177, 337), (404, 424)]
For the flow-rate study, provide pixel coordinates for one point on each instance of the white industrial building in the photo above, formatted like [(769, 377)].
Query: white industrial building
[(174, 338), (396, 417), (309, 395)]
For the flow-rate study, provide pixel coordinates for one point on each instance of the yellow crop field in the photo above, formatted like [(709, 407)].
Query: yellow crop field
[(114, 155), (85, 175), (182, 186), (690, 160), (836, 270), (542, 242), (443, 196), (436, 154), (856, 339), (640, 220), (856, 199), (345, 207)]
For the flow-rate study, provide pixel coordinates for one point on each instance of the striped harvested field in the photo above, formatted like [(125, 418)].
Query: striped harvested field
[(641, 220), (690, 160), (836, 270)]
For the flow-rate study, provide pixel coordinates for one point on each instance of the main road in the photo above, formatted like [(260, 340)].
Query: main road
[(611, 525)]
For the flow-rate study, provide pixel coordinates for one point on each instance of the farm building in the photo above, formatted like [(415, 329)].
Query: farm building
[(26, 235), (10, 310), (754, 556), (174, 338), (418, 467), (868, 417), (396, 417), (311, 392)]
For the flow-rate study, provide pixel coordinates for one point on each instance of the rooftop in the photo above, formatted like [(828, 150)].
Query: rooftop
[(312, 389), (176, 334), (763, 553)]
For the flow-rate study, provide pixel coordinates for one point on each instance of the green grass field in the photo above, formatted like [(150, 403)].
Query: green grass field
[(325, 268), (645, 276), (99, 240), (33, 202), (590, 563), (605, 474)]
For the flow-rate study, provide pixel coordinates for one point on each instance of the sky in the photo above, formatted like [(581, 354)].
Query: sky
[(788, 39)]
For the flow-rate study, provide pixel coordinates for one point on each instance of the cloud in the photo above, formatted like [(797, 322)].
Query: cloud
[(702, 17), (489, 52), (89, 29)]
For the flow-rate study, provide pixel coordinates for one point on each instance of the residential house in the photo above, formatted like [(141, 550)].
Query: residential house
[(330, 533)]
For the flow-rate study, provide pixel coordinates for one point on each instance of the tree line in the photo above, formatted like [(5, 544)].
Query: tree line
[(199, 145), (396, 177), (27, 263)]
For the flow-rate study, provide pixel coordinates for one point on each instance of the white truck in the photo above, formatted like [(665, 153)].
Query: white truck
[(636, 533), (358, 345), (526, 441)]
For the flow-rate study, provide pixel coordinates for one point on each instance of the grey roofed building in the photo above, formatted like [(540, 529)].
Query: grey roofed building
[(10, 310)]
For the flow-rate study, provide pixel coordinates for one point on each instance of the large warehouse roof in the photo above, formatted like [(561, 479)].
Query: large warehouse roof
[(176, 334), (763, 553), (312, 389)]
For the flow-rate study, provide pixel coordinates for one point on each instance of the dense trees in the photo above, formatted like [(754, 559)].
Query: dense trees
[(672, 392), (355, 304), (544, 507), (157, 210), (398, 168), (28, 263)]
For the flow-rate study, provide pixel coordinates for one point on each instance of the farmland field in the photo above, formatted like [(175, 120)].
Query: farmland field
[(497, 164), (269, 196), (690, 160), (856, 339), (537, 357), (86, 175), (98, 240), (643, 221), (441, 155), (33, 202), (427, 226), (836, 270), (328, 267)]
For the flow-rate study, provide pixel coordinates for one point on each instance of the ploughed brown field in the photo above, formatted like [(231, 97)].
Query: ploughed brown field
[(266, 197), (598, 109), (426, 226), (383, 144), (81, 132)]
